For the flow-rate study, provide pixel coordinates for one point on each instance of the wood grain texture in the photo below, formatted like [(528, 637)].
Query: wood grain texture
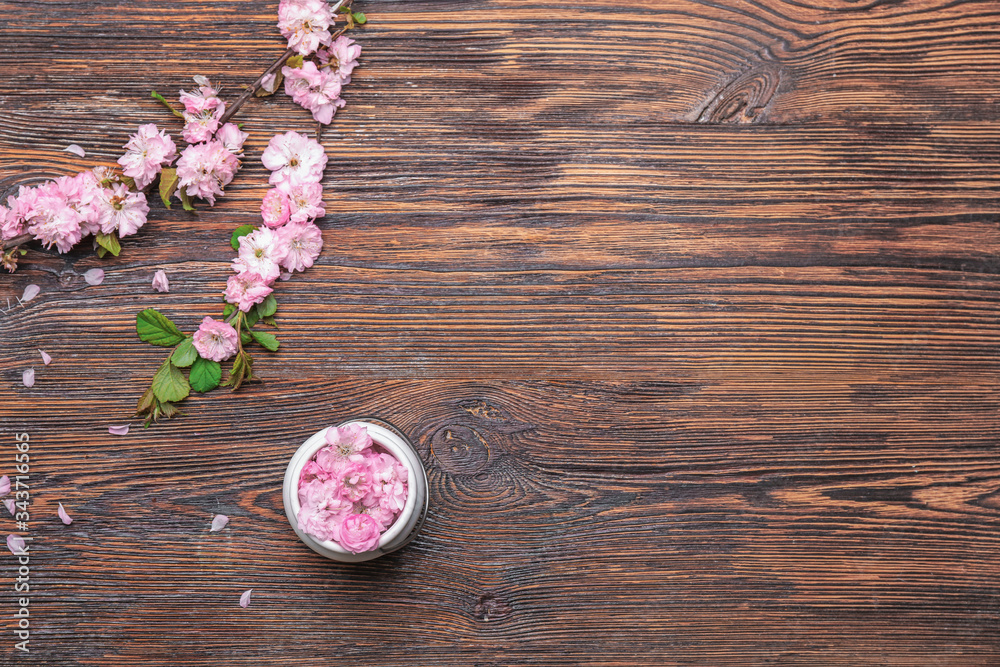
[(691, 309)]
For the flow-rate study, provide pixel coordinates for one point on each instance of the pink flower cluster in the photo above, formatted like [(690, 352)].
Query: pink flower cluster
[(62, 212), (210, 161), (306, 23), (289, 240), (351, 491)]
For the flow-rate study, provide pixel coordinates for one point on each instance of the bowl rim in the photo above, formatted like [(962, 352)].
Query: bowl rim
[(384, 438)]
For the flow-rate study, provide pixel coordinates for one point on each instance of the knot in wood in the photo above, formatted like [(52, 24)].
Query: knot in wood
[(490, 608), (744, 99), (460, 450)]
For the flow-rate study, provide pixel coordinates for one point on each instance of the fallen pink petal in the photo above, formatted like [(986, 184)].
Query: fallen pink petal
[(160, 282), (94, 276), (244, 599), (16, 545), (9, 503), (118, 430), (28, 377), (46, 359), (4, 485), (219, 522), (64, 516), (30, 292), (74, 148)]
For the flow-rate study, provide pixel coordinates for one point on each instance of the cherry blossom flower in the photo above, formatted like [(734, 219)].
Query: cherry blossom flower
[(121, 211), (203, 170), (294, 158), (215, 340), (358, 533), (146, 153), (51, 220), (347, 444), (388, 483), (260, 252), (202, 111), (305, 24), (276, 208), (315, 90), (305, 200), (81, 193), (384, 516), (160, 281), (301, 243), (320, 522), (232, 138), (206, 98), (246, 289), (342, 55)]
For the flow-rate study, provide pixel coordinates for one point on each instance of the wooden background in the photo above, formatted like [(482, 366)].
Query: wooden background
[(690, 307)]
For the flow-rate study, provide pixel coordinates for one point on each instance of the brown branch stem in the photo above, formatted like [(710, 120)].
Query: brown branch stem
[(249, 92), (16, 241)]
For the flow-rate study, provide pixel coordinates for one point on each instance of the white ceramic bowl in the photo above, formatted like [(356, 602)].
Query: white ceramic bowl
[(407, 524)]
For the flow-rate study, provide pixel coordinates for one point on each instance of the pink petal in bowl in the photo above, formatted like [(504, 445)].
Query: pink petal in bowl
[(28, 377), (94, 276), (16, 545), (244, 599), (46, 359), (118, 430), (64, 516), (219, 522)]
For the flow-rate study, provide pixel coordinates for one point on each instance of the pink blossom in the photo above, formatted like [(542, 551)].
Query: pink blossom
[(260, 252), (384, 517), (294, 158), (358, 533), (51, 220), (160, 281), (343, 56), (301, 243), (22, 207), (315, 90), (82, 192), (206, 98), (305, 201), (146, 153), (246, 289), (312, 470), (320, 522), (232, 138), (275, 209), (388, 486), (355, 481), (347, 443), (4, 213), (64, 515), (215, 340), (203, 170), (305, 24), (121, 211), (202, 111)]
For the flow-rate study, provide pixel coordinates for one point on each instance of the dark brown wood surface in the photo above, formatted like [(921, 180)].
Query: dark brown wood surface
[(690, 307)]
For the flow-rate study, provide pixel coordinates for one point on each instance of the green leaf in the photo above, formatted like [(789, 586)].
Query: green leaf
[(245, 338), (205, 375), (267, 307), (185, 354), (242, 371), (360, 18), (168, 185), (278, 79), (185, 200), (128, 181), (239, 233), (156, 96), (269, 321), (109, 242), (251, 318), (266, 340), (228, 310), (295, 62), (169, 384), (156, 328), (101, 252)]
